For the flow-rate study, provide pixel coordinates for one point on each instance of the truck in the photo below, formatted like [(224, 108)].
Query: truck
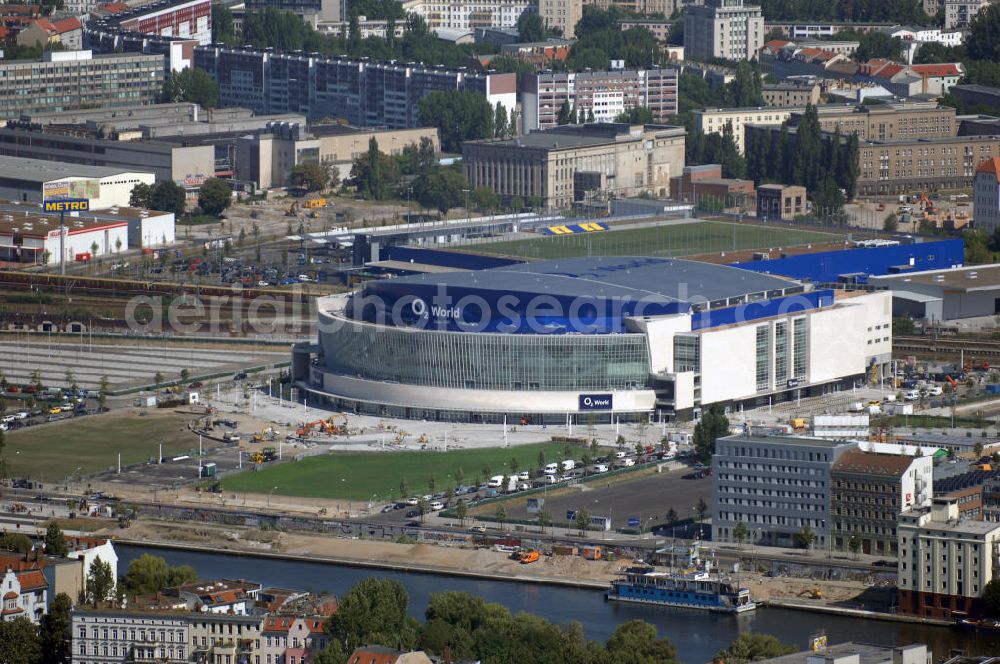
[(568, 464)]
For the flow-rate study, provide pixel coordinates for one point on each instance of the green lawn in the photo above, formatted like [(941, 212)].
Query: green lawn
[(682, 239), (360, 475), (52, 452)]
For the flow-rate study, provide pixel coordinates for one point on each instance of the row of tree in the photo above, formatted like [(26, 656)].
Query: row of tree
[(856, 11), (214, 196), (825, 164)]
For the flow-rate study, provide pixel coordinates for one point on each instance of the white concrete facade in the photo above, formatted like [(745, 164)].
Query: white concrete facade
[(469, 15)]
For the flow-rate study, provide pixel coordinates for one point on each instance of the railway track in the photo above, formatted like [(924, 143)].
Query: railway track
[(972, 348)]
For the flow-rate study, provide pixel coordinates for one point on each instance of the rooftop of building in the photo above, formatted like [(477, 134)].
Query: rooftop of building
[(872, 463), (970, 479), (653, 279), (959, 526), (991, 166), (582, 135), (976, 87), (42, 170), (747, 255), (867, 653), (52, 57), (965, 279), (791, 441)]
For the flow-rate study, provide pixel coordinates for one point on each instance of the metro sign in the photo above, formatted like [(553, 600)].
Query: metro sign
[(67, 205)]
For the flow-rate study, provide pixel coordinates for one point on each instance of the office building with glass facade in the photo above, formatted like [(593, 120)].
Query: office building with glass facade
[(596, 337)]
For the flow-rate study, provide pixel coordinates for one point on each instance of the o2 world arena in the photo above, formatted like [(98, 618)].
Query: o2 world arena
[(606, 338)]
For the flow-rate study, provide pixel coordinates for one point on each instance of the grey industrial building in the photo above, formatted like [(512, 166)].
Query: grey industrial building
[(776, 486), (938, 295)]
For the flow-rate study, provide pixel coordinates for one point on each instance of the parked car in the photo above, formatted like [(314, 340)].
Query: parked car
[(477, 529), (437, 505)]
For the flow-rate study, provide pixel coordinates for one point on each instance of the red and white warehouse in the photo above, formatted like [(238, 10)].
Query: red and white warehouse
[(189, 20)]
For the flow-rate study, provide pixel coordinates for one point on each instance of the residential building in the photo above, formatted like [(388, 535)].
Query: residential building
[(841, 427), (705, 184), (383, 655), (790, 94), (456, 15), (363, 92), (92, 549), (776, 486), (726, 29), (222, 596), (564, 164), (870, 489), (217, 637), (944, 561), (819, 30), (855, 653), (986, 195), (284, 637), (561, 15), (658, 28), (959, 13), (45, 33), (912, 80), (67, 80), (25, 594), (781, 201), (184, 19), (841, 47), (603, 94), (539, 53), (312, 11), (885, 121), (714, 120), (991, 499), (896, 166), (966, 494), (111, 637)]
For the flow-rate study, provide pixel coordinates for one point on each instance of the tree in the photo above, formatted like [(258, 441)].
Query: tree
[(582, 521), (100, 583), (750, 647), (991, 598), (500, 126), (19, 642), (55, 542), (671, 516), (701, 508), (543, 519), (461, 511), (854, 544), (530, 28), (404, 488), (223, 31), (17, 542), (442, 188), (746, 88), (636, 641), (214, 196), (191, 85), (740, 532), (373, 611), (483, 199), (375, 173), (311, 177), (890, 223), (501, 515), (564, 116), (713, 424), (422, 508), (102, 392), (636, 115), (55, 632), (458, 117), (149, 574), (157, 379), (541, 459), (983, 42), (166, 196), (806, 537)]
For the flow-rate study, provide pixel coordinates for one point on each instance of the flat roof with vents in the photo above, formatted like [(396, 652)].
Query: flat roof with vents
[(971, 278), (29, 221)]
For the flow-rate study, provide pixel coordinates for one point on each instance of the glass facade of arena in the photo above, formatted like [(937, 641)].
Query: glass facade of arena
[(482, 361)]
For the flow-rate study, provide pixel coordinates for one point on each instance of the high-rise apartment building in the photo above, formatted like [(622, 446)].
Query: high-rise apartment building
[(726, 29), (562, 15), (601, 94), (366, 93), (986, 195), (68, 80)]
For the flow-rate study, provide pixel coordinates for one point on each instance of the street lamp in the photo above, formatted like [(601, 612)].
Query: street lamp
[(466, 192), (273, 489)]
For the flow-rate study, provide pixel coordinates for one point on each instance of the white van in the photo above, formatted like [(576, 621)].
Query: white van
[(935, 391), (568, 464), (524, 476), (620, 454), (912, 395), (552, 469), (600, 468), (495, 482)]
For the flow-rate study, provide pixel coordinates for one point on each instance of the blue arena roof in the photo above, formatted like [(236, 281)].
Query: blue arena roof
[(654, 279)]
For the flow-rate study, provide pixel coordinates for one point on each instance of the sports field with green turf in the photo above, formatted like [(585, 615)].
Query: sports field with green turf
[(675, 239), (360, 475)]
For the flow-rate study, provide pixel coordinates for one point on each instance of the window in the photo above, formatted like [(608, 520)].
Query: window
[(763, 357)]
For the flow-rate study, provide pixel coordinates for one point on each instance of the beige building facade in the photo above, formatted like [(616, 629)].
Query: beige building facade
[(562, 165), (714, 120), (562, 15), (944, 561), (726, 29)]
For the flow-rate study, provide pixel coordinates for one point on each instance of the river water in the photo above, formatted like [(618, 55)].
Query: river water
[(696, 635)]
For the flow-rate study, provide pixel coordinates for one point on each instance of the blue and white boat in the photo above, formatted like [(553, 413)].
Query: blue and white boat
[(695, 587)]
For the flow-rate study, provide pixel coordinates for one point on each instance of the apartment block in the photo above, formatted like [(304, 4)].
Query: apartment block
[(68, 80), (365, 93), (944, 561), (881, 122), (726, 29), (605, 94), (869, 492), (309, 10), (714, 120), (790, 94), (565, 164), (562, 15), (776, 486), (986, 195), (469, 15), (111, 637), (959, 13)]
